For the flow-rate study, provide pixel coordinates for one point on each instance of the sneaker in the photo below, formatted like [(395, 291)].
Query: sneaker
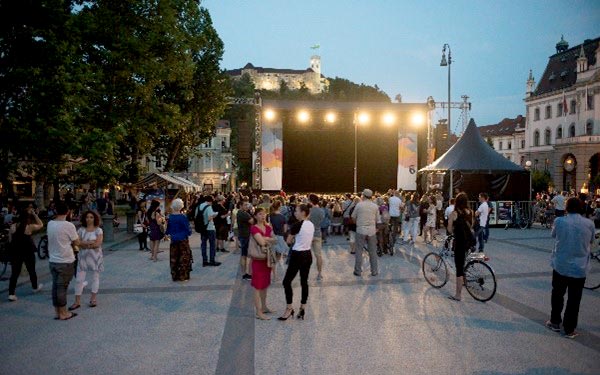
[(572, 335), (214, 264), (12, 298), (205, 264), (247, 277), (552, 326), (356, 273), (375, 274), (40, 286)]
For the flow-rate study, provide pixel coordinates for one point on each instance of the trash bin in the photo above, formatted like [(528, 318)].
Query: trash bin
[(107, 228)]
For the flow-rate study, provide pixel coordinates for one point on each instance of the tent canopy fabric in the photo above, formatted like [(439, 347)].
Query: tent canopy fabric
[(160, 180), (472, 154)]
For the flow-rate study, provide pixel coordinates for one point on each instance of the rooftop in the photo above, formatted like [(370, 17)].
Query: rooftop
[(507, 126)]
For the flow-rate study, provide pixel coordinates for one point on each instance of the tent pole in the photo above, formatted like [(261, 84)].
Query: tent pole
[(451, 184)]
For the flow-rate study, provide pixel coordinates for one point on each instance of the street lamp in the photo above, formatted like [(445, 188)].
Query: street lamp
[(528, 167), (361, 118), (447, 63)]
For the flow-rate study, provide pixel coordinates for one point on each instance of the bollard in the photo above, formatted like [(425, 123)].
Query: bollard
[(130, 220), (107, 228)]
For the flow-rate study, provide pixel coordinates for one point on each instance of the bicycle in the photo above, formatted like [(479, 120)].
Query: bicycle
[(42, 247), (517, 220), (480, 279), (4, 253), (592, 281)]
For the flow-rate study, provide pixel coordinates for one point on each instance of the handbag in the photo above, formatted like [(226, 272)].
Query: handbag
[(255, 251), (138, 228)]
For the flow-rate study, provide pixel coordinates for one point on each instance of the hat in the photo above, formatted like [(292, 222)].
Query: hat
[(367, 193)]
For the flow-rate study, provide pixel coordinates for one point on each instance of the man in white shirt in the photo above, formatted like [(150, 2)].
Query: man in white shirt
[(559, 204), (62, 236), (439, 208), (366, 215), (448, 211), (482, 214), (395, 211), (210, 234)]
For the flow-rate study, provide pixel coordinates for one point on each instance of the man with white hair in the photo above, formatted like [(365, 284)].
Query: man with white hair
[(366, 215)]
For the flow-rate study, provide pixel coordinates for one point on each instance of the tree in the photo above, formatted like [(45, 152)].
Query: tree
[(540, 180)]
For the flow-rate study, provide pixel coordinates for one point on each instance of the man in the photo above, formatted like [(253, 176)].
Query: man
[(395, 211), (244, 221), (559, 204), (366, 215), (570, 262), (448, 211), (222, 228), (482, 213), (209, 233), (62, 236), (346, 214), (439, 207), (317, 215)]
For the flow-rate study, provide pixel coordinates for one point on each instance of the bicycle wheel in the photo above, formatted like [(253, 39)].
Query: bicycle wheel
[(42, 248), (523, 223), (435, 270), (592, 281), (480, 280)]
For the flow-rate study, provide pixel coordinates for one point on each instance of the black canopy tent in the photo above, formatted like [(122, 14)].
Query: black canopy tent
[(472, 166)]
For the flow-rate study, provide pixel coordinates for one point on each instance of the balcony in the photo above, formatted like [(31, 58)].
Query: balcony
[(582, 139)]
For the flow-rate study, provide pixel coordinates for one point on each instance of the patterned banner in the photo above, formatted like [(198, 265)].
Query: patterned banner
[(407, 161), (272, 155)]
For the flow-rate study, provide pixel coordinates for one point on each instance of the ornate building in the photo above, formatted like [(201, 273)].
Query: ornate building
[(507, 138), (563, 116), (270, 78)]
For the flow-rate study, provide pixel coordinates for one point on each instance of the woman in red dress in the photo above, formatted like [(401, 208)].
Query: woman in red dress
[(262, 233)]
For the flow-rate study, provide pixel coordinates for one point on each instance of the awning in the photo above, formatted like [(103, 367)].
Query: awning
[(161, 180)]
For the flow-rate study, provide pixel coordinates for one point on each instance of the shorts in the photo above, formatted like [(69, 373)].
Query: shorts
[(352, 237), (281, 247), (244, 243), (317, 246), (222, 232)]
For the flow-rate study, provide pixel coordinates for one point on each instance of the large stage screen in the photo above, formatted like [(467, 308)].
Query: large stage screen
[(319, 157)]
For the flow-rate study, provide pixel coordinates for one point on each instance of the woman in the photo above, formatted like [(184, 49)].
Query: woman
[(178, 228), (142, 219), (156, 221), (460, 224), (278, 222), (300, 260), (351, 225), (431, 220), (262, 233), (90, 257), (326, 222), (423, 207), (23, 249), (411, 219)]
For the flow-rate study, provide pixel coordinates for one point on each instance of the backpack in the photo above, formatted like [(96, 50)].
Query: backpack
[(199, 224)]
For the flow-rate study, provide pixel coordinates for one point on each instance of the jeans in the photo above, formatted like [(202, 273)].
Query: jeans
[(299, 261), (244, 243), (396, 224), (560, 285), (412, 227), (371, 242), (481, 237), (62, 273), (210, 236), (17, 261)]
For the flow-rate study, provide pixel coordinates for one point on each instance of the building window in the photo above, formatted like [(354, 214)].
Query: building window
[(548, 111), (536, 138), (522, 160), (536, 114), (572, 130), (559, 132), (158, 163), (509, 145), (589, 128), (535, 164), (522, 143), (500, 145), (590, 102), (547, 137), (572, 107), (559, 109), (547, 164)]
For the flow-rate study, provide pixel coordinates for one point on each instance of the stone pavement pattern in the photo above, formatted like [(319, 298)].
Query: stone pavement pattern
[(394, 323)]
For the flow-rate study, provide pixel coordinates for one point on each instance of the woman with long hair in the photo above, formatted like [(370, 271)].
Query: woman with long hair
[(23, 249), (262, 234), (90, 257), (460, 224), (300, 260), (142, 219), (156, 220)]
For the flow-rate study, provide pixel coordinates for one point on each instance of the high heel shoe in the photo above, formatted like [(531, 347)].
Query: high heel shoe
[(300, 314), (287, 317)]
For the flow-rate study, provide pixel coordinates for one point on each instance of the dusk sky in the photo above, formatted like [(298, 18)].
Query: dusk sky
[(398, 44)]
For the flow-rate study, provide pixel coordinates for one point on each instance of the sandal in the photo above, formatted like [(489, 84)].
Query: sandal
[(93, 304), (74, 307), (71, 317), (453, 298)]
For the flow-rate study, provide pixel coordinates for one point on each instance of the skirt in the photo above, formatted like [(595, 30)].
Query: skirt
[(155, 233), (261, 274), (180, 260)]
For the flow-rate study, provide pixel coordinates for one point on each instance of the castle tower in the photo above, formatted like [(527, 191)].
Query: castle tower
[(562, 45), (530, 85), (315, 64), (582, 61)]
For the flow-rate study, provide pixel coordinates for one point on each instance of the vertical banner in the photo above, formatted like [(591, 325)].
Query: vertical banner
[(272, 155), (407, 161)]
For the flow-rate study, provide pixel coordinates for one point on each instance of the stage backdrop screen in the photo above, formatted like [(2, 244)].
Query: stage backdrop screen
[(319, 157)]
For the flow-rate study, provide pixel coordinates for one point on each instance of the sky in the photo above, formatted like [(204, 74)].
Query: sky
[(397, 44)]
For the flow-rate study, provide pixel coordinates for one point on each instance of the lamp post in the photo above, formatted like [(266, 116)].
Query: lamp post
[(355, 120), (528, 167), (447, 63)]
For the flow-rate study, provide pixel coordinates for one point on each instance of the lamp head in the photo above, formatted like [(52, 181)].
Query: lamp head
[(444, 62)]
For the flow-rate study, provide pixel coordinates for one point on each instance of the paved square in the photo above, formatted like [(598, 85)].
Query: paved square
[(394, 323)]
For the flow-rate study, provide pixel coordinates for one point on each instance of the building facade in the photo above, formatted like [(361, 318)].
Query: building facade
[(270, 78), (562, 132), (507, 138)]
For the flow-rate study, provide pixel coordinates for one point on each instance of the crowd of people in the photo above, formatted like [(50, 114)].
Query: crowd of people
[(267, 229)]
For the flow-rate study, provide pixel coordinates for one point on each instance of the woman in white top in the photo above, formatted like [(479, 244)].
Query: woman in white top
[(90, 257), (300, 260)]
